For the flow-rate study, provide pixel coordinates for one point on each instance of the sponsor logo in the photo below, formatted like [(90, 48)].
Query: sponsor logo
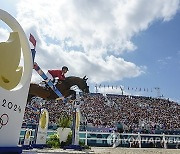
[(4, 118), (43, 120)]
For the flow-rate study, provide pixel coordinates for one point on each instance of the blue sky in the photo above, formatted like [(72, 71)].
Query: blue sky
[(129, 43), (159, 50)]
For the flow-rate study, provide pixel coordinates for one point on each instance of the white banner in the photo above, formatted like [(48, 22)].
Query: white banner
[(14, 81), (42, 128)]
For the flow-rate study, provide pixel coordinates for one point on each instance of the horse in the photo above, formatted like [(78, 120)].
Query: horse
[(63, 86)]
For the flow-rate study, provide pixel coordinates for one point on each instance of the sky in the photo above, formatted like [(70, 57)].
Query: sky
[(120, 45)]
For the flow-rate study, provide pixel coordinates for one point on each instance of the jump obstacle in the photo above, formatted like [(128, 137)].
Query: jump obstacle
[(14, 84)]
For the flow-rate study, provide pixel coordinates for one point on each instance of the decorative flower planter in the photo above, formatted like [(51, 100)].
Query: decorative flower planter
[(63, 134)]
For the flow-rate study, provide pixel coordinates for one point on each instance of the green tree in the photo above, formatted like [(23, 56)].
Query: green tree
[(64, 121), (53, 141)]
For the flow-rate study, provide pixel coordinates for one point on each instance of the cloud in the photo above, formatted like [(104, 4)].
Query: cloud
[(4, 35), (89, 36), (164, 61)]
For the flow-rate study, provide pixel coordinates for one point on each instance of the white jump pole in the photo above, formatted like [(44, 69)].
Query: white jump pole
[(76, 120)]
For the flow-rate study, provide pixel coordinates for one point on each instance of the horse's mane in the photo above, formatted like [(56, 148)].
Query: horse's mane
[(70, 77)]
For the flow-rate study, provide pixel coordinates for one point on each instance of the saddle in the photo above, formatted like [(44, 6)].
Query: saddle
[(54, 81)]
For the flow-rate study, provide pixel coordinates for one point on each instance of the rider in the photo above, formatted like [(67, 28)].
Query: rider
[(56, 75)]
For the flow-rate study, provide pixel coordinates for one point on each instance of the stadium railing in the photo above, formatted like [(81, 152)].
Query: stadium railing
[(107, 139)]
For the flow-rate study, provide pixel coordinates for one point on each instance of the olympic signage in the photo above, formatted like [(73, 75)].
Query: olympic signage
[(14, 81), (27, 136), (42, 128)]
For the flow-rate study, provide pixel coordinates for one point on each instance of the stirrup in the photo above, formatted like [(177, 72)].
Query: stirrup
[(55, 81)]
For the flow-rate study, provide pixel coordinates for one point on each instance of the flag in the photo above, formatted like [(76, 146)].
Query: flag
[(33, 51), (32, 40)]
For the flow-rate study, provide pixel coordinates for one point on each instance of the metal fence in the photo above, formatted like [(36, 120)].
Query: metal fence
[(129, 139), (107, 139)]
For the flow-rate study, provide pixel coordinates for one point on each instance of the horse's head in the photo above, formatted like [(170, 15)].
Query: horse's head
[(80, 82)]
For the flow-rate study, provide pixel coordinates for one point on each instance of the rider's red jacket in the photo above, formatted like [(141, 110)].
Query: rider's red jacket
[(57, 73)]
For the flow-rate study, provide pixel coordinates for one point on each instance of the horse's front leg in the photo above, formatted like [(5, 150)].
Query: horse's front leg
[(70, 92)]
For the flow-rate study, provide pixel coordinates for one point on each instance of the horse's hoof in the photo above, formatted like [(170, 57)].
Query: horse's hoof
[(60, 98)]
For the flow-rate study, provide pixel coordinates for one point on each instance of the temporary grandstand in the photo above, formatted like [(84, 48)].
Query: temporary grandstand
[(137, 118)]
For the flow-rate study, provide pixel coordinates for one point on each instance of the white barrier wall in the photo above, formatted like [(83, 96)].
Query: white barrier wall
[(14, 81)]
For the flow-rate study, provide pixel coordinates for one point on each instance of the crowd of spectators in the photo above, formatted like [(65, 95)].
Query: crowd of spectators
[(135, 113), (56, 110)]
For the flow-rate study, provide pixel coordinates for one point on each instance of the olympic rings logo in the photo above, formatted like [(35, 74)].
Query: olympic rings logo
[(4, 118)]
